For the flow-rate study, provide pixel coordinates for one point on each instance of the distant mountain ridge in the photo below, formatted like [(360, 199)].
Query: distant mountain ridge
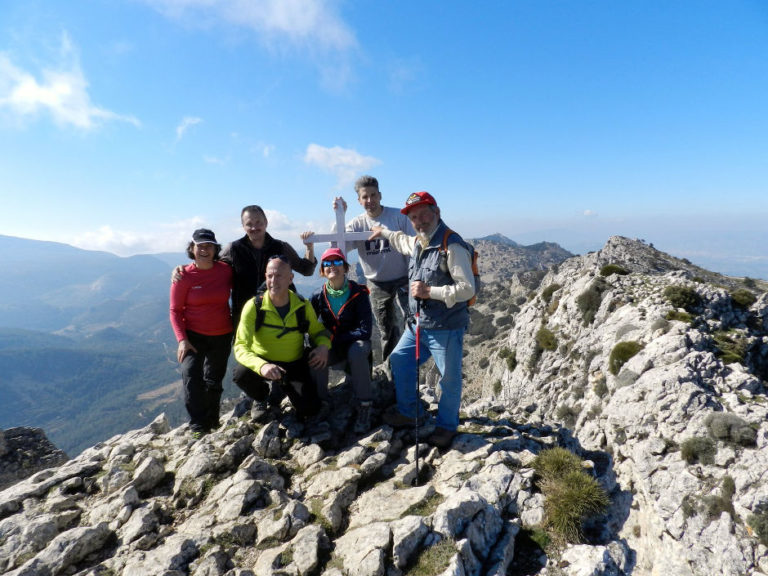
[(502, 258)]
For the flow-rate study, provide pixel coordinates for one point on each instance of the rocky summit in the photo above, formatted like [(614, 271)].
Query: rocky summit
[(648, 370)]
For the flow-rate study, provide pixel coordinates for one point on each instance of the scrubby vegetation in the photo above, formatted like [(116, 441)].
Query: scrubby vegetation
[(743, 298), (546, 294), (759, 522), (571, 495), (510, 356), (730, 428), (546, 339), (698, 449), (678, 315), (609, 269), (588, 301), (731, 347), (683, 297), (622, 352)]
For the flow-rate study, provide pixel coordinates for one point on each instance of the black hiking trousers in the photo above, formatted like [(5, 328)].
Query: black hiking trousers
[(297, 382), (202, 373)]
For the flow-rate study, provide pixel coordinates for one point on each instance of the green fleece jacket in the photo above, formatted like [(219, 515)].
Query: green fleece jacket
[(271, 343)]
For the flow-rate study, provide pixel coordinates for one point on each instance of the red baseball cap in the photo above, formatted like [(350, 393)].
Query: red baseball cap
[(418, 199), (332, 254)]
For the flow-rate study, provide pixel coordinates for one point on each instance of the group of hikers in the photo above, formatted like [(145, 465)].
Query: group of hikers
[(418, 282)]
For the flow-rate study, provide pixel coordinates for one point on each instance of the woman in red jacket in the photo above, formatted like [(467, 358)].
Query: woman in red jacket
[(202, 322), (344, 307)]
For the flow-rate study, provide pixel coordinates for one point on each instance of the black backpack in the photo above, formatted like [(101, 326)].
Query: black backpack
[(301, 316)]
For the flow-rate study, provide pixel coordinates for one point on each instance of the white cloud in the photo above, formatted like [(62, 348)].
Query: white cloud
[(62, 91), (589, 213), (310, 22), (171, 237), (214, 160), (186, 123), (344, 163), (174, 236)]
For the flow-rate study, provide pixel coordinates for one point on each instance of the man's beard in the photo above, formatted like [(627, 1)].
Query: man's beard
[(424, 237)]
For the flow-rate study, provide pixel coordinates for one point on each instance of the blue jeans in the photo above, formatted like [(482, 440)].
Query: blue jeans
[(446, 347)]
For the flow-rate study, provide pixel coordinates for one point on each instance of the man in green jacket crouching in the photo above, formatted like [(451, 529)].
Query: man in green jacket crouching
[(269, 343)]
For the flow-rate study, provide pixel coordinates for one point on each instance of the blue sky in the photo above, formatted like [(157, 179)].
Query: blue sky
[(125, 124)]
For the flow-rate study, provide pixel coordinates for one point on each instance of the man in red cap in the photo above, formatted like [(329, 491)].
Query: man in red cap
[(442, 281)]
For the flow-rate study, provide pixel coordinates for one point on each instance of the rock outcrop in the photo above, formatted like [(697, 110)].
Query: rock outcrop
[(24, 451), (675, 397), (250, 500)]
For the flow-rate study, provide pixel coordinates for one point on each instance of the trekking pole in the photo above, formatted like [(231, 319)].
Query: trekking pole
[(418, 377)]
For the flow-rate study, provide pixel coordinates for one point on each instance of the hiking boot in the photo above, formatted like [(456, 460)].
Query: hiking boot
[(260, 411), (441, 437), (243, 406), (397, 420), (323, 412), (381, 373), (362, 418)]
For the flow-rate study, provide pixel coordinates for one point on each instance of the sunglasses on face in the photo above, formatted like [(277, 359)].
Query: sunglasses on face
[(329, 263)]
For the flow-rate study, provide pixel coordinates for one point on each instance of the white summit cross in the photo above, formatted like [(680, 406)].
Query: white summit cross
[(341, 236)]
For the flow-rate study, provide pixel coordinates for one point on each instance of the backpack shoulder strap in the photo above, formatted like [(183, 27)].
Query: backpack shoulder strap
[(301, 315), (258, 300)]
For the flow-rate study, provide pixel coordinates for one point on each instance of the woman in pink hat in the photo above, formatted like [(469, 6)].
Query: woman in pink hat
[(344, 307)]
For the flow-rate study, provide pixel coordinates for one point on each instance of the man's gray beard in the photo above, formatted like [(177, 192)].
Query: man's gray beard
[(423, 239)]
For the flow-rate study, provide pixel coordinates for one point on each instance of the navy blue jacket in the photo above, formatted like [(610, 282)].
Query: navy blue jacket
[(355, 318)]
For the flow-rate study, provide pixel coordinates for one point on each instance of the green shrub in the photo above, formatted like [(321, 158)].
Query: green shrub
[(546, 339), (497, 388), (749, 282), (546, 294), (484, 363), (588, 301), (743, 298), (510, 356), (571, 499), (682, 297), (503, 321), (622, 352), (681, 316), (609, 269), (698, 449), (731, 348), (759, 523), (730, 428)]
